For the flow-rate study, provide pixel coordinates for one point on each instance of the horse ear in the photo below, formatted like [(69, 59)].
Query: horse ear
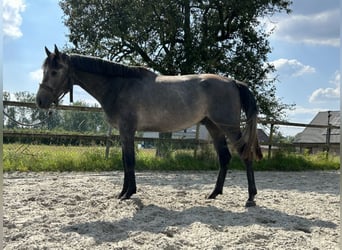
[(47, 51), (56, 51)]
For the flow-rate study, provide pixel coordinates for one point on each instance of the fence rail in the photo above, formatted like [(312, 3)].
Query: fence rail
[(58, 107), (99, 109), (196, 141), (44, 135)]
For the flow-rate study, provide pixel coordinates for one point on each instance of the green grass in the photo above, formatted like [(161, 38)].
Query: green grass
[(296, 162), (55, 158), (19, 157)]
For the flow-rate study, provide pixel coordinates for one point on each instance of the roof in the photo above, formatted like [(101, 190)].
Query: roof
[(262, 137), (319, 135)]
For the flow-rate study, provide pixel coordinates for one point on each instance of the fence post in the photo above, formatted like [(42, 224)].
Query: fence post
[(109, 133), (270, 141), (328, 134)]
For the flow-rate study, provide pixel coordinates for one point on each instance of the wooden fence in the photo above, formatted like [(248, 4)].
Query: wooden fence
[(196, 142)]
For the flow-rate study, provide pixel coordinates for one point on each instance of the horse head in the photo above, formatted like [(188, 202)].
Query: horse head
[(56, 79)]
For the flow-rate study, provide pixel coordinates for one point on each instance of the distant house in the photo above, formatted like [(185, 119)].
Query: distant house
[(189, 133), (203, 134), (262, 136), (315, 139)]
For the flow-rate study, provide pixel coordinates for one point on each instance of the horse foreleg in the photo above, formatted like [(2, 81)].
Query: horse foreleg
[(128, 158), (125, 183)]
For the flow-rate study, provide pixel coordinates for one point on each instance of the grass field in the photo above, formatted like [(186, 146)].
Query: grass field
[(21, 157)]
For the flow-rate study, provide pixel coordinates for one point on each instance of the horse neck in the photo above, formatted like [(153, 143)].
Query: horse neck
[(98, 86)]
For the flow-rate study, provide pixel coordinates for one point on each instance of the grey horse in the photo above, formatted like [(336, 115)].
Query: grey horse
[(137, 99)]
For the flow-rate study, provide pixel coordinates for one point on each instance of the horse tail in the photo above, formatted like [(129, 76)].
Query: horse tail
[(251, 148)]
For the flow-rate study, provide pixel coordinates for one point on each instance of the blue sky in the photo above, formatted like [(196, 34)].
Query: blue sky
[(306, 52)]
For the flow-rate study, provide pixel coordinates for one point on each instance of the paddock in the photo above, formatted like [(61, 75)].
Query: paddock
[(295, 210)]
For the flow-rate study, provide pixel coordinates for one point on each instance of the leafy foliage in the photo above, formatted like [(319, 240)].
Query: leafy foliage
[(182, 37), (76, 121), (84, 121)]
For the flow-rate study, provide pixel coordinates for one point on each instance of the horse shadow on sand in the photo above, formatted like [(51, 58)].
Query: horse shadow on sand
[(155, 219), (326, 182)]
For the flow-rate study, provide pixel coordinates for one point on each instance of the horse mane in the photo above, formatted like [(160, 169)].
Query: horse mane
[(100, 66)]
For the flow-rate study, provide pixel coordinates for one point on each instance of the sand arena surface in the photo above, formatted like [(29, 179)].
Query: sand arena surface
[(297, 210)]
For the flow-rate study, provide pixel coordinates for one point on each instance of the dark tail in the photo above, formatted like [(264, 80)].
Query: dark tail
[(251, 148)]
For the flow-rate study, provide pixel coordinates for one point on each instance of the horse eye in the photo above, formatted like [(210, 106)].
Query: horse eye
[(54, 73)]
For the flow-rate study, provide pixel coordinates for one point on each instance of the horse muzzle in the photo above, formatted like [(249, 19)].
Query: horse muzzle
[(44, 98)]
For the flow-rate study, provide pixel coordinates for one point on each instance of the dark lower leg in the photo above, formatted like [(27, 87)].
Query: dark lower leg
[(129, 186), (239, 144), (252, 191), (124, 187), (224, 158), (128, 158)]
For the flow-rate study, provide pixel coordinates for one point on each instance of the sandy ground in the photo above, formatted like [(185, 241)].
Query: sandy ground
[(298, 210)]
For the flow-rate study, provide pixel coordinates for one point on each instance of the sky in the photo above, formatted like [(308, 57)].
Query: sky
[(305, 51)]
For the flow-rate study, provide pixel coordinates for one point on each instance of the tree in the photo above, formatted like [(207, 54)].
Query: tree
[(182, 37), (82, 121), (17, 115), (9, 112), (58, 119)]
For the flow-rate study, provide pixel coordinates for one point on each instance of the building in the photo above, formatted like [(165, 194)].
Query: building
[(203, 134), (262, 136), (189, 133), (318, 139)]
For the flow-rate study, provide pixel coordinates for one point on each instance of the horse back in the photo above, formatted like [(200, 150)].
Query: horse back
[(170, 103)]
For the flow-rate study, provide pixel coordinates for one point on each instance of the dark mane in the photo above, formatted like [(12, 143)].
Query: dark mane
[(104, 67)]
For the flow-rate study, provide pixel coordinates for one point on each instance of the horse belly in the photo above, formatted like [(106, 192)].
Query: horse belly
[(167, 107), (163, 119)]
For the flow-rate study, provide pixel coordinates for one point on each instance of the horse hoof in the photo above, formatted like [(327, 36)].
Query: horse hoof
[(250, 204), (211, 197), (214, 194), (122, 198), (126, 195), (120, 195)]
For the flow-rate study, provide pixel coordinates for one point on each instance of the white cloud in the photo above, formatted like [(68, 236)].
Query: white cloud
[(322, 95), (292, 67), (36, 75), (320, 28), (11, 16)]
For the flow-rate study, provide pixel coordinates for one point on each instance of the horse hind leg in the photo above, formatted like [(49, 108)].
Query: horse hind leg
[(220, 144), (224, 159), (235, 137), (252, 191)]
